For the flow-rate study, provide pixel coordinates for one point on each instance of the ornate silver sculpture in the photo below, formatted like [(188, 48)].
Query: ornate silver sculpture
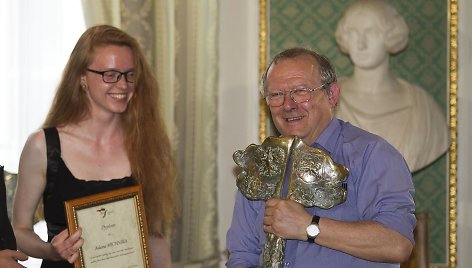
[(314, 180)]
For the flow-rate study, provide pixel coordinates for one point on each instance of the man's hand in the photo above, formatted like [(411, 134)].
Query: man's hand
[(286, 219), (9, 258)]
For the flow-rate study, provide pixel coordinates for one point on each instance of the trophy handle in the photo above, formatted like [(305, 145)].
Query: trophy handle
[(274, 249)]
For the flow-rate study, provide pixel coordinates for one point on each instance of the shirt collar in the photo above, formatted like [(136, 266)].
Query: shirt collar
[(328, 138)]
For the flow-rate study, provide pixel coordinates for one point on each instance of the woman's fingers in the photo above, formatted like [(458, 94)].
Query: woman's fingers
[(67, 247)]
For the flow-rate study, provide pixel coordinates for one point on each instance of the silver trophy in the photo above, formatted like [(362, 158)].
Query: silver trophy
[(314, 179)]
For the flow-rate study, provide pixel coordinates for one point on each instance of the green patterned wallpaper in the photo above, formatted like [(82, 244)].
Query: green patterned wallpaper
[(312, 23)]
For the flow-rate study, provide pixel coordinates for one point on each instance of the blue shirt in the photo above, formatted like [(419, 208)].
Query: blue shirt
[(380, 189)]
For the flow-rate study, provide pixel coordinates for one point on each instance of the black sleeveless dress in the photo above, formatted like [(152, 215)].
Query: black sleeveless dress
[(61, 186)]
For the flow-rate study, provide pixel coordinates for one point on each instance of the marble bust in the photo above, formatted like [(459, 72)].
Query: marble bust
[(373, 98)]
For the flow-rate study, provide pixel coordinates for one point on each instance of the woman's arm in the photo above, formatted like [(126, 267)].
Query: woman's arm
[(160, 252), (30, 187)]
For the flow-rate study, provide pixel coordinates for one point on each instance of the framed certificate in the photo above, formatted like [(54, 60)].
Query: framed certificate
[(113, 228)]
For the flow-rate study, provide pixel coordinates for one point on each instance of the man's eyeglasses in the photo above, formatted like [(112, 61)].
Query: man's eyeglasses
[(114, 76), (298, 95)]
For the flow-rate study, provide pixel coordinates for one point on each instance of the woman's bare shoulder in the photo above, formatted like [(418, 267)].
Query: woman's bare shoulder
[(33, 157), (36, 138), (36, 143)]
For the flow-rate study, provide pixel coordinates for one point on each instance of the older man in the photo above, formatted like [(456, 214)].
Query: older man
[(374, 227)]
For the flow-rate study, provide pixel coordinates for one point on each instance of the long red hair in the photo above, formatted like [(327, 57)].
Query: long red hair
[(146, 141)]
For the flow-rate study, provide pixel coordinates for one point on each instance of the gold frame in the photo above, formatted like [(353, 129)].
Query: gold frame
[(108, 228), (453, 12)]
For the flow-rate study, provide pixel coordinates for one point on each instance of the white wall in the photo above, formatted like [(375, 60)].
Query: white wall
[(38, 37), (238, 97), (238, 110)]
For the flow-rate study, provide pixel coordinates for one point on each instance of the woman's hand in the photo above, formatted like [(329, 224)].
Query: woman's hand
[(67, 247)]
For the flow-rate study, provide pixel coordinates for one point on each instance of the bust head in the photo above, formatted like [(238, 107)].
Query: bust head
[(391, 25)]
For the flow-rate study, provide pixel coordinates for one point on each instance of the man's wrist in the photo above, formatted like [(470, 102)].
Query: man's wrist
[(313, 230)]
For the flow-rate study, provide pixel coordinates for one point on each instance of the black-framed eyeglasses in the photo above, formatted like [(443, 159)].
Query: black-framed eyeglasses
[(114, 76), (298, 95)]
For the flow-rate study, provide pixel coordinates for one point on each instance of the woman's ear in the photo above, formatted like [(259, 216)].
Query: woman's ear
[(83, 83)]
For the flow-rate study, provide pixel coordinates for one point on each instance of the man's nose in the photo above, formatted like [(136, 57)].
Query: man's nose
[(289, 101)]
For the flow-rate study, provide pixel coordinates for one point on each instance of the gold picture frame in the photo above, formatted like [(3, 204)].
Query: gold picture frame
[(452, 85), (113, 228)]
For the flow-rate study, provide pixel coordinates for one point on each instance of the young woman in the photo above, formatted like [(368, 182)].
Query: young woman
[(103, 132)]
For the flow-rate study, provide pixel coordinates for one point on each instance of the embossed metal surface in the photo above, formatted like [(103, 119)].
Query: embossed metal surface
[(314, 180)]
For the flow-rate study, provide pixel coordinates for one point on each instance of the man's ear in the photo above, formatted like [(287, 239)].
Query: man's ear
[(333, 95)]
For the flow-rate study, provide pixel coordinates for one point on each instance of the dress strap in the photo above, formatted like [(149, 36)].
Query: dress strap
[(53, 148)]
